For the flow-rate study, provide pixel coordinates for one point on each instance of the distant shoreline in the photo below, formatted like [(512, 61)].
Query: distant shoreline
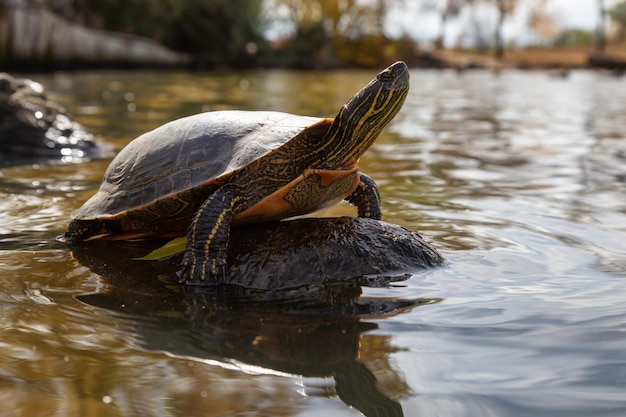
[(613, 58), (529, 58)]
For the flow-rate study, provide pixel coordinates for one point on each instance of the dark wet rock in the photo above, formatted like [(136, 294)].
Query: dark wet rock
[(290, 255), (34, 127), (314, 250)]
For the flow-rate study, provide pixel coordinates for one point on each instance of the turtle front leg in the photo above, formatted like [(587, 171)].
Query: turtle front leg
[(366, 198), (204, 261)]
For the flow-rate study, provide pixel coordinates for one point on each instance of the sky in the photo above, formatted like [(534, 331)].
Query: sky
[(411, 19), (577, 13), (583, 14)]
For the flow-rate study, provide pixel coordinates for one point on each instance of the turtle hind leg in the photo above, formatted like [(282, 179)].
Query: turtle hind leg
[(204, 261), (366, 198)]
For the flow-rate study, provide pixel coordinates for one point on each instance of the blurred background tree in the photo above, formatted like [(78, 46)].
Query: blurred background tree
[(618, 15), (601, 31), (215, 32), (446, 10), (542, 23), (505, 9), (328, 33), (336, 32)]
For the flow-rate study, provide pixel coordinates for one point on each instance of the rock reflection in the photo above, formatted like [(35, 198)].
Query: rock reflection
[(313, 327)]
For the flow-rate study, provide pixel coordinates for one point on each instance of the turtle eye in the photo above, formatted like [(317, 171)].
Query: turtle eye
[(385, 75)]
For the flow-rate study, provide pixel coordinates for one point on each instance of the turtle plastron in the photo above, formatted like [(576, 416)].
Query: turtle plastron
[(314, 190)]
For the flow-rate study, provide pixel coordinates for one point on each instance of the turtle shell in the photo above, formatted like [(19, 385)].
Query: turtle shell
[(188, 153)]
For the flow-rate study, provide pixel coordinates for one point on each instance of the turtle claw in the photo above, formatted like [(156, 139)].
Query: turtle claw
[(202, 272)]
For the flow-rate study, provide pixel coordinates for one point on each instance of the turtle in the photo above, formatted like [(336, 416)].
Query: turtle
[(198, 175)]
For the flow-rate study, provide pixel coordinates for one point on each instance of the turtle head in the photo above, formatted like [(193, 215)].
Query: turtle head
[(361, 120)]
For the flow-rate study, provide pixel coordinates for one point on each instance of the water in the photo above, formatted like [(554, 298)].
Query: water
[(518, 178)]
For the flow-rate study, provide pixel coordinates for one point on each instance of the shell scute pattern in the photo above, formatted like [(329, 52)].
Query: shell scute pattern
[(155, 170)]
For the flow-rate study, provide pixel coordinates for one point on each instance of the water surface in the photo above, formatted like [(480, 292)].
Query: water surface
[(518, 178)]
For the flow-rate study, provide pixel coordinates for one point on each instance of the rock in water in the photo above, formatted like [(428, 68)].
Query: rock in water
[(318, 250), (34, 127), (300, 253)]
